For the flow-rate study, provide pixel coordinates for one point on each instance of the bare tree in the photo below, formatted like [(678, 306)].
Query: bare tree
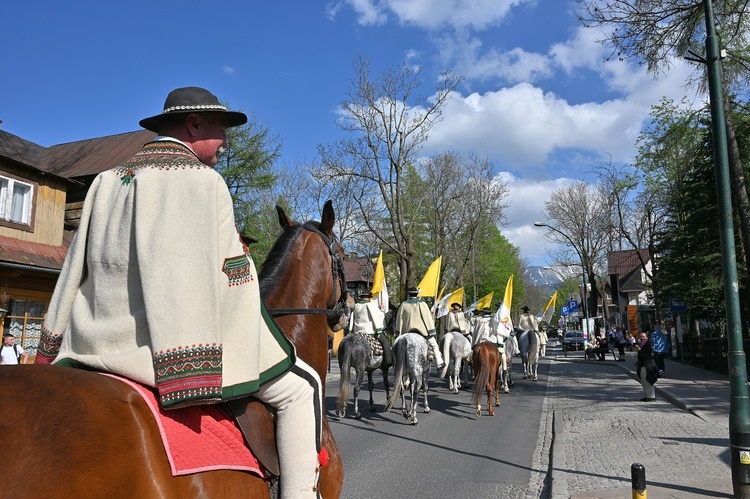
[(656, 32), (580, 224), (465, 199), (389, 123)]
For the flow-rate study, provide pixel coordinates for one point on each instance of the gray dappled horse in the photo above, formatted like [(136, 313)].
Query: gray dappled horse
[(411, 370), (528, 344), (355, 352), (456, 347)]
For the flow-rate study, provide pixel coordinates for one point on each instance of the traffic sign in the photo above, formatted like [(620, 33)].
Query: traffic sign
[(563, 310), (573, 306)]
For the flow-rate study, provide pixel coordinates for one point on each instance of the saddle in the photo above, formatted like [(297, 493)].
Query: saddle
[(375, 346), (258, 424)]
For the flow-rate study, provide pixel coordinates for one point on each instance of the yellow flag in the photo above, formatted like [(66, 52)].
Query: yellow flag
[(428, 286), (379, 288), (442, 306), (549, 309), (379, 277), (485, 301)]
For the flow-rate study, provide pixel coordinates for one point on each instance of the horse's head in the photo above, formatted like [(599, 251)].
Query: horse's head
[(318, 242)]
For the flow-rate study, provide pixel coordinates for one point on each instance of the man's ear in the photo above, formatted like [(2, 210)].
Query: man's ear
[(192, 122)]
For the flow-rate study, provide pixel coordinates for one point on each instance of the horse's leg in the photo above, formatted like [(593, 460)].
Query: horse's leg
[(414, 390), (344, 378), (426, 390), (386, 384), (359, 379), (455, 382), (331, 475), (490, 410), (407, 386), (370, 386)]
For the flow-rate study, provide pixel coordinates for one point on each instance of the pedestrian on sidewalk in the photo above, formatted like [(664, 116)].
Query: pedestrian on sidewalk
[(660, 347), (646, 367), (620, 341)]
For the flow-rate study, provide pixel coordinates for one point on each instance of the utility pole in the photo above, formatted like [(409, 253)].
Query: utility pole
[(739, 416)]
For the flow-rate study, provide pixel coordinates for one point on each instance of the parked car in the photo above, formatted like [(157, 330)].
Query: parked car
[(552, 332), (573, 340)]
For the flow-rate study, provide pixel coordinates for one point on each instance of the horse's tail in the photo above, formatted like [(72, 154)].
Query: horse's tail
[(345, 364), (446, 353), (482, 369), (399, 361)]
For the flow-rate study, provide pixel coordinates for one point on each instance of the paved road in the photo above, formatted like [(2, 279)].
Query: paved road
[(449, 453)]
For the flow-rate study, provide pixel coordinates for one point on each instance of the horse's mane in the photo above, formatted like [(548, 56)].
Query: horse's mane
[(273, 266)]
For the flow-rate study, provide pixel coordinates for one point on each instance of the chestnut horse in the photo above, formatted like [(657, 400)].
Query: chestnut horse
[(76, 433), (486, 362)]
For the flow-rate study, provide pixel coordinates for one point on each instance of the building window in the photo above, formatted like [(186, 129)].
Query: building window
[(24, 320), (15, 201)]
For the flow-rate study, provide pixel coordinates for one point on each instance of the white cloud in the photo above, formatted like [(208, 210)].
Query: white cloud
[(527, 198), (522, 126), (229, 70), (462, 54), (432, 14)]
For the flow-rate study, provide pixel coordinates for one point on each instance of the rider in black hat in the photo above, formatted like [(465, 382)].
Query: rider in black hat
[(156, 232), (414, 316)]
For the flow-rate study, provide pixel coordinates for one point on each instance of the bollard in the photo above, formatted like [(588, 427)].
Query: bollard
[(638, 479)]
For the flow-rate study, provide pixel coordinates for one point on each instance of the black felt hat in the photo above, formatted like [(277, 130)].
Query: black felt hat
[(188, 100), (525, 308), (412, 291)]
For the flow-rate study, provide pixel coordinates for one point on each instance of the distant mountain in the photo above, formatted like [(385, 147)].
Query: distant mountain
[(546, 279)]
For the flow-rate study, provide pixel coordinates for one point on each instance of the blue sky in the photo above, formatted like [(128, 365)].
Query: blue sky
[(538, 98)]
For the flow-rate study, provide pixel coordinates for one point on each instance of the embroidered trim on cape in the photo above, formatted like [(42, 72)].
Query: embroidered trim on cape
[(49, 347), (160, 155), (189, 375), (237, 269)]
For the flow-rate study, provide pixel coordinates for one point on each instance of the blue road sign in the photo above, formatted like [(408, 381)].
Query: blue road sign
[(563, 310), (573, 306)]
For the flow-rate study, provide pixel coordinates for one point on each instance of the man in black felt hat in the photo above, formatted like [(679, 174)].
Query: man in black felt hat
[(414, 316), (369, 320), (158, 287), (527, 321), (456, 320)]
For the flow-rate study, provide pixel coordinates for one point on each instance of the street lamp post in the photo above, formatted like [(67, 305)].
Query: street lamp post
[(739, 408), (583, 270)]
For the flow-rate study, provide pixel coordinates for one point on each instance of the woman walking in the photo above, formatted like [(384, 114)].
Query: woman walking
[(646, 367)]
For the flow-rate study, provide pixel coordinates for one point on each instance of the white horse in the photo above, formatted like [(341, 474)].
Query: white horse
[(528, 343), (456, 347), (411, 370)]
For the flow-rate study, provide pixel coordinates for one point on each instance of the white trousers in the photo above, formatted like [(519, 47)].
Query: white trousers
[(435, 350), (297, 398), (648, 388)]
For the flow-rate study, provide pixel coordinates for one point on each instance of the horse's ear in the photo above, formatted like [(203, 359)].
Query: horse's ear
[(283, 219), (328, 218)]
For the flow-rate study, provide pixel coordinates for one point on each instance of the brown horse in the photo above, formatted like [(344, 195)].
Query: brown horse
[(76, 433), (486, 362)]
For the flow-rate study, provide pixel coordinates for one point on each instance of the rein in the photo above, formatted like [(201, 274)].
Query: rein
[(337, 268)]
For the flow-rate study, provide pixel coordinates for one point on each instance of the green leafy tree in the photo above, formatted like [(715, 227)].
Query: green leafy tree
[(247, 167)]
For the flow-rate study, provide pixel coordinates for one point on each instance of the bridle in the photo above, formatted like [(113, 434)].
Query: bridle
[(334, 308)]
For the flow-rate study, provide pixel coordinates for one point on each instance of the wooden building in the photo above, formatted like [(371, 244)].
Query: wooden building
[(41, 195)]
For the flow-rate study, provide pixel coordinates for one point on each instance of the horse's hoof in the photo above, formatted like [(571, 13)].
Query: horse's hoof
[(492, 413), (478, 413), (341, 413), (426, 410), (413, 422), (506, 391), (535, 378), (358, 416)]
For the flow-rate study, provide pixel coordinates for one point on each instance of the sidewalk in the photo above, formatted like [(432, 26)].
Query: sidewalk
[(601, 428)]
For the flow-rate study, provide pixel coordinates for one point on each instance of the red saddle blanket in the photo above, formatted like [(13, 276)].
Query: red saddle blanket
[(200, 438)]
